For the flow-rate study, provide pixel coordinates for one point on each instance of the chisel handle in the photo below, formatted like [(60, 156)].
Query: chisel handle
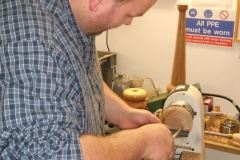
[(235, 137)]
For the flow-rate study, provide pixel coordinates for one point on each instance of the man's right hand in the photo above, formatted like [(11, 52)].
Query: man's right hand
[(160, 144)]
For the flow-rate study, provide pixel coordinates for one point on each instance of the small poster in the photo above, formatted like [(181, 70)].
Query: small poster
[(210, 26)]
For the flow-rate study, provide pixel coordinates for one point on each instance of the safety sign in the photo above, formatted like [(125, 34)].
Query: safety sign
[(210, 26)]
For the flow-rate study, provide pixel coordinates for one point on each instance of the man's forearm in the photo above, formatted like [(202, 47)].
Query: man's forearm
[(124, 145), (152, 141), (115, 107)]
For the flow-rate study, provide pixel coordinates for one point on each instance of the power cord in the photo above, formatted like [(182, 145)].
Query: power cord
[(107, 41)]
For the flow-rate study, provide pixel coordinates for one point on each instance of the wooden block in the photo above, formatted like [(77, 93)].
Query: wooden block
[(191, 156), (217, 108)]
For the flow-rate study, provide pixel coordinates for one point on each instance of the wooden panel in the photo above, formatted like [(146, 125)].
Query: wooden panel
[(237, 25)]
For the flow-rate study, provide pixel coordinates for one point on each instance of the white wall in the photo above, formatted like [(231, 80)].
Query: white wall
[(146, 49)]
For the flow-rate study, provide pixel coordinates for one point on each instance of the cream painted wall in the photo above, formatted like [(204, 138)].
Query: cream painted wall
[(146, 49)]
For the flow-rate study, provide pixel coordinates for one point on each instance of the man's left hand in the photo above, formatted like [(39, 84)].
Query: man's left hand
[(136, 118)]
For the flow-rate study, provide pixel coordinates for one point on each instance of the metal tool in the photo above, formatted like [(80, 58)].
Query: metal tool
[(176, 133), (229, 126), (214, 114), (182, 133)]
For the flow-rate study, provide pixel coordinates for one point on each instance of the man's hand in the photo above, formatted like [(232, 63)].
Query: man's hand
[(135, 118), (120, 114), (160, 144)]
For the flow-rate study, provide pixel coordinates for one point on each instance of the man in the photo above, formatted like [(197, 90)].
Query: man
[(52, 99)]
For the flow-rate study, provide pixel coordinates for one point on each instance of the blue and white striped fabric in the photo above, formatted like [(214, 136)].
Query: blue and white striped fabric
[(50, 82)]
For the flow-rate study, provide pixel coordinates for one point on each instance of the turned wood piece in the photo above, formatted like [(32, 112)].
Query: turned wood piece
[(137, 104), (178, 70), (177, 117), (134, 94), (135, 98)]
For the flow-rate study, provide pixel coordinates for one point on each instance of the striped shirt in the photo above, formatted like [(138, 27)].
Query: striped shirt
[(50, 82)]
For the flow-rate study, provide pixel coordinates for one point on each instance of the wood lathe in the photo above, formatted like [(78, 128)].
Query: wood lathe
[(183, 109)]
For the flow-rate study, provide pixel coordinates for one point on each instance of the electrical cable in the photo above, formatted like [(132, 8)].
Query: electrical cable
[(114, 68), (107, 41), (224, 97)]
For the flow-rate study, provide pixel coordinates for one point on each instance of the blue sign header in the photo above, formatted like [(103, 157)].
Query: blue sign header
[(209, 27)]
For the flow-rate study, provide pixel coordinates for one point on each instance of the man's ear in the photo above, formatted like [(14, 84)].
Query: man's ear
[(94, 4)]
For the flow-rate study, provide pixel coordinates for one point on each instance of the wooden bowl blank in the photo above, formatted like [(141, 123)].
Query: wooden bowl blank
[(177, 116)]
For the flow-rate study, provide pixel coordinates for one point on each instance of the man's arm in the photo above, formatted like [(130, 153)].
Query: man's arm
[(115, 107), (153, 141), (149, 139)]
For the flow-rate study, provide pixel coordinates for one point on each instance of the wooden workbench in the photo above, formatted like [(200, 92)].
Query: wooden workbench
[(222, 144), (217, 142)]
